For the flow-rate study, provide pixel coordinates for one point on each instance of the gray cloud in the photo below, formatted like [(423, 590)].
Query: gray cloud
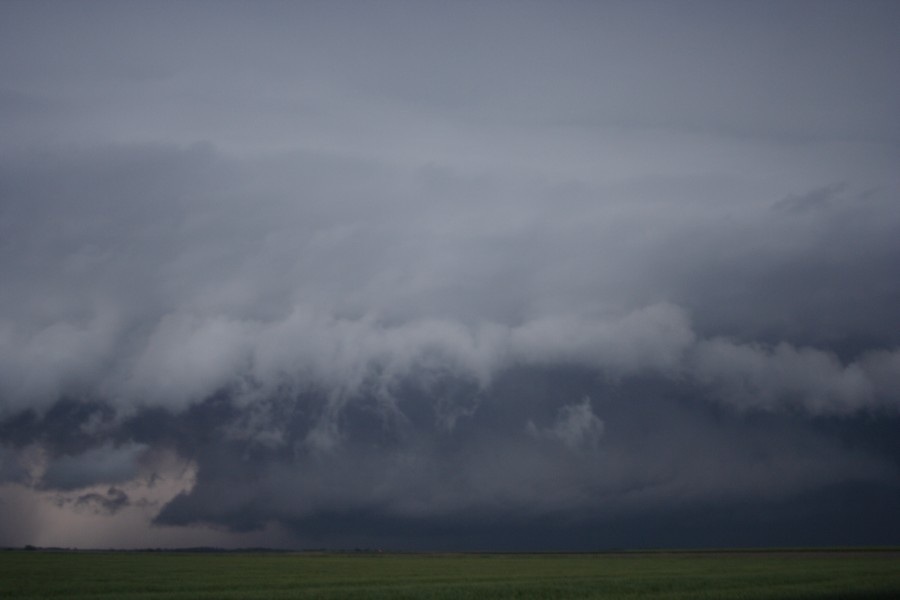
[(334, 295), (104, 464), (576, 425), (429, 265), (111, 502), (655, 453), (11, 468)]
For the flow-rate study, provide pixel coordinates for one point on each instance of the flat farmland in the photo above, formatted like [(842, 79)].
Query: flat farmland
[(722, 575)]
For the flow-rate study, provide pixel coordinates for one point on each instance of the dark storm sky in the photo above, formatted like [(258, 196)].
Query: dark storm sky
[(475, 275)]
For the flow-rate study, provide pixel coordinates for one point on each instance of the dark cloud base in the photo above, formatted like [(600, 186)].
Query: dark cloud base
[(450, 275), (839, 516), (517, 470)]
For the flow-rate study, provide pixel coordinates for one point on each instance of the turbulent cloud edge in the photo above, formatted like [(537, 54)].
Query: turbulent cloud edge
[(186, 358)]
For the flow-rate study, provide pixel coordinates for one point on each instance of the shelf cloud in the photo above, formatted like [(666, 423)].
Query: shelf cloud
[(449, 277)]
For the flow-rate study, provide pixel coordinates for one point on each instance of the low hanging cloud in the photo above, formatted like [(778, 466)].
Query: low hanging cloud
[(414, 368), (111, 502), (186, 359), (104, 464), (576, 425), (786, 377), (571, 270)]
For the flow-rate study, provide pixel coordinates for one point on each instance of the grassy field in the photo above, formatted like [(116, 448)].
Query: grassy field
[(788, 575)]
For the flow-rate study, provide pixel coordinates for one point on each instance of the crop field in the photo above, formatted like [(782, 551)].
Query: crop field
[(726, 575)]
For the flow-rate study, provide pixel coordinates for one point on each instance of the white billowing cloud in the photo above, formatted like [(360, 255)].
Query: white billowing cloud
[(652, 338), (345, 352), (749, 376), (63, 358), (186, 358), (883, 370), (159, 276)]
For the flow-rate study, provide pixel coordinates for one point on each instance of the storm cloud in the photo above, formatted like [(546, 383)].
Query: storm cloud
[(467, 277)]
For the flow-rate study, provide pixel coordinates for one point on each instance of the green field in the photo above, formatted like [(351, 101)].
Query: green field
[(727, 575)]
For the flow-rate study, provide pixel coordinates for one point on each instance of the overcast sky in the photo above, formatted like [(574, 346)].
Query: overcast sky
[(450, 275)]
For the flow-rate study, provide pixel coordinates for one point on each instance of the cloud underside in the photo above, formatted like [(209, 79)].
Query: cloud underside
[(598, 265), (418, 364)]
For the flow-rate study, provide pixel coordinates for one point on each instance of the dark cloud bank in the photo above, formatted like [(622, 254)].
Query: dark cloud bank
[(427, 277)]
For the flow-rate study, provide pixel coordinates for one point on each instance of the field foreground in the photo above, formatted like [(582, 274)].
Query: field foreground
[(854, 575)]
